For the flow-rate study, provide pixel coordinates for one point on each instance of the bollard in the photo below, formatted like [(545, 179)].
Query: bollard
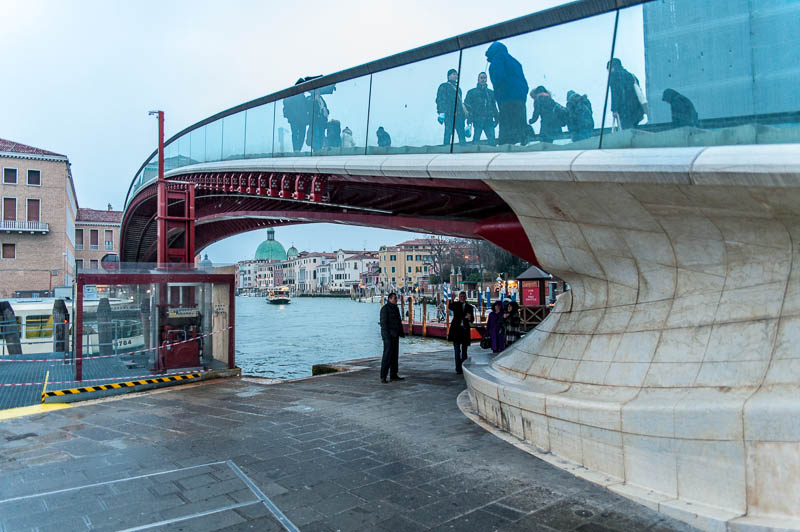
[(104, 329), (9, 329), (411, 315), (447, 317), (424, 317), (60, 327)]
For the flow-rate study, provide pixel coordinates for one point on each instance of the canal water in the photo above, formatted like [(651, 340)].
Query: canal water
[(284, 341)]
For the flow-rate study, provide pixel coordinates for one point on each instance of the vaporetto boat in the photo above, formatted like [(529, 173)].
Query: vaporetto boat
[(36, 327)]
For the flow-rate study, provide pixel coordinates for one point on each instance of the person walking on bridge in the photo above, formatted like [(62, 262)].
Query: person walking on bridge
[(391, 331), (297, 111), (482, 110), (450, 107), (510, 91), (463, 315)]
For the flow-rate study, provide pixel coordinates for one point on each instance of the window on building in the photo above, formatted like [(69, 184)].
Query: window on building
[(418, 257), (35, 178), (393, 279), (409, 257), (9, 176), (393, 269), (419, 269), (78, 238), (33, 210), (9, 209), (109, 240), (392, 257), (9, 251), (93, 264), (94, 237), (39, 326), (409, 269), (79, 264)]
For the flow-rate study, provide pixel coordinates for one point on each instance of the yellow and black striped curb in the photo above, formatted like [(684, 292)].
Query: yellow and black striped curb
[(118, 385)]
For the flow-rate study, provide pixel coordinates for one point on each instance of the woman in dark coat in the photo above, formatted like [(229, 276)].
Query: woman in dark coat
[(625, 102), (552, 114), (495, 327), (459, 334)]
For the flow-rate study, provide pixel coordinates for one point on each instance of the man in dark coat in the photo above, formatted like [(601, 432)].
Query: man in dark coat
[(552, 114), (580, 120), (482, 110), (683, 111), (384, 140), (297, 111), (450, 108), (510, 91), (463, 315), (391, 331), (625, 102)]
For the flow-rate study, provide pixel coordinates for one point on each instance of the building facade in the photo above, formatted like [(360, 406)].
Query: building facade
[(409, 264), (96, 236), (37, 219)]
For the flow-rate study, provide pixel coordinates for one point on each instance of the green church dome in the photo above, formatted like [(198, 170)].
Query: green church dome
[(270, 249), (292, 253)]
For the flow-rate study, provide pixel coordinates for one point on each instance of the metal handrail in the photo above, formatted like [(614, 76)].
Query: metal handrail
[(571, 12)]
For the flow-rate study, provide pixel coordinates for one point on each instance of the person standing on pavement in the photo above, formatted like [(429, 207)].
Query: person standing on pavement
[(463, 316), (391, 331), (495, 327)]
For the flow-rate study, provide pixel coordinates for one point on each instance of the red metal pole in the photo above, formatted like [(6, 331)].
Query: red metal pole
[(161, 213), (79, 330)]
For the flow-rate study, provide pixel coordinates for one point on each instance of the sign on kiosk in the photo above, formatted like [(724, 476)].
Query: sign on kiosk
[(530, 295), (90, 291)]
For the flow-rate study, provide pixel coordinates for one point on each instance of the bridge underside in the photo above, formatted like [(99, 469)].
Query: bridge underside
[(228, 203)]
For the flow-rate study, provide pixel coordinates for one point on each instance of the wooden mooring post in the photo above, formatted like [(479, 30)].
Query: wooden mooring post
[(424, 317)]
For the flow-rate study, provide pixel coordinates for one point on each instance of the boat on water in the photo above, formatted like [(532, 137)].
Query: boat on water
[(279, 296), (34, 323)]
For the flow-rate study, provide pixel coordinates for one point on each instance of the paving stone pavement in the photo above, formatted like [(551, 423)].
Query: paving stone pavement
[(341, 452)]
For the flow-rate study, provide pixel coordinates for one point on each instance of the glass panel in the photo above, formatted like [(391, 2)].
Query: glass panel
[(404, 117), (171, 157), (292, 121), (258, 134), (339, 118), (233, 136), (198, 145), (151, 169), (184, 150), (214, 141), (717, 72), (554, 102)]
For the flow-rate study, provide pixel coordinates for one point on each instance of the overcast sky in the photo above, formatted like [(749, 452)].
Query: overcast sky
[(79, 76)]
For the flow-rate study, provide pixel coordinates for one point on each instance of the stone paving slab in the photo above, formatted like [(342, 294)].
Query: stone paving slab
[(339, 452)]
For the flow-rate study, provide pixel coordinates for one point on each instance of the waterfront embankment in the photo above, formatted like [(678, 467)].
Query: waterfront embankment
[(338, 452)]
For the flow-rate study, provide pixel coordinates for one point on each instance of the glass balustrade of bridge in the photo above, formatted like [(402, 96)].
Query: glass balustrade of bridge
[(659, 74)]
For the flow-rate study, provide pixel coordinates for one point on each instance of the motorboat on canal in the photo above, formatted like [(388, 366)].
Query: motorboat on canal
[(279, 296)]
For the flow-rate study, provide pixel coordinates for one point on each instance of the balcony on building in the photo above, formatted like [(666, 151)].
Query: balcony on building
[(25, 226)]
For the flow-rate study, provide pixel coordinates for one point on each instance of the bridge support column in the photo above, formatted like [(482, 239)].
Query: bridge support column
[(671, 368)]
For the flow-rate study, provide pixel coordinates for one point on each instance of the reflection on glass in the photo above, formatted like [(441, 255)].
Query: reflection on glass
[(542, 90), (258, 133), (171, 156), (717, 72), (233, 136), (151, 169), (214, 141), (198, 145), (404, 117), (292, 125), (339, 118), (184, 151)]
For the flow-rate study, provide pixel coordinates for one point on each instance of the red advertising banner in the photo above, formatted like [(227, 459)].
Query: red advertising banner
[(530, 295)]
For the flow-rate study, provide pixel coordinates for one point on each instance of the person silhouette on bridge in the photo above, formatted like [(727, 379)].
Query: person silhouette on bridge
[(463, 315), (384, 140), (683, 111), (391, 332), (297, 111), (552, 114), (627, 100), (482, 110), (580, 120), (510, 91), (450, 107), (347, 138)]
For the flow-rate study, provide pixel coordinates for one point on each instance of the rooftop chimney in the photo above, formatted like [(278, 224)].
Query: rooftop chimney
[(110, 208)]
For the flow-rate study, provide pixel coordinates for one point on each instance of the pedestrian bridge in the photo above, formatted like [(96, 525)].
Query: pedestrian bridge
[(670, 371)]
